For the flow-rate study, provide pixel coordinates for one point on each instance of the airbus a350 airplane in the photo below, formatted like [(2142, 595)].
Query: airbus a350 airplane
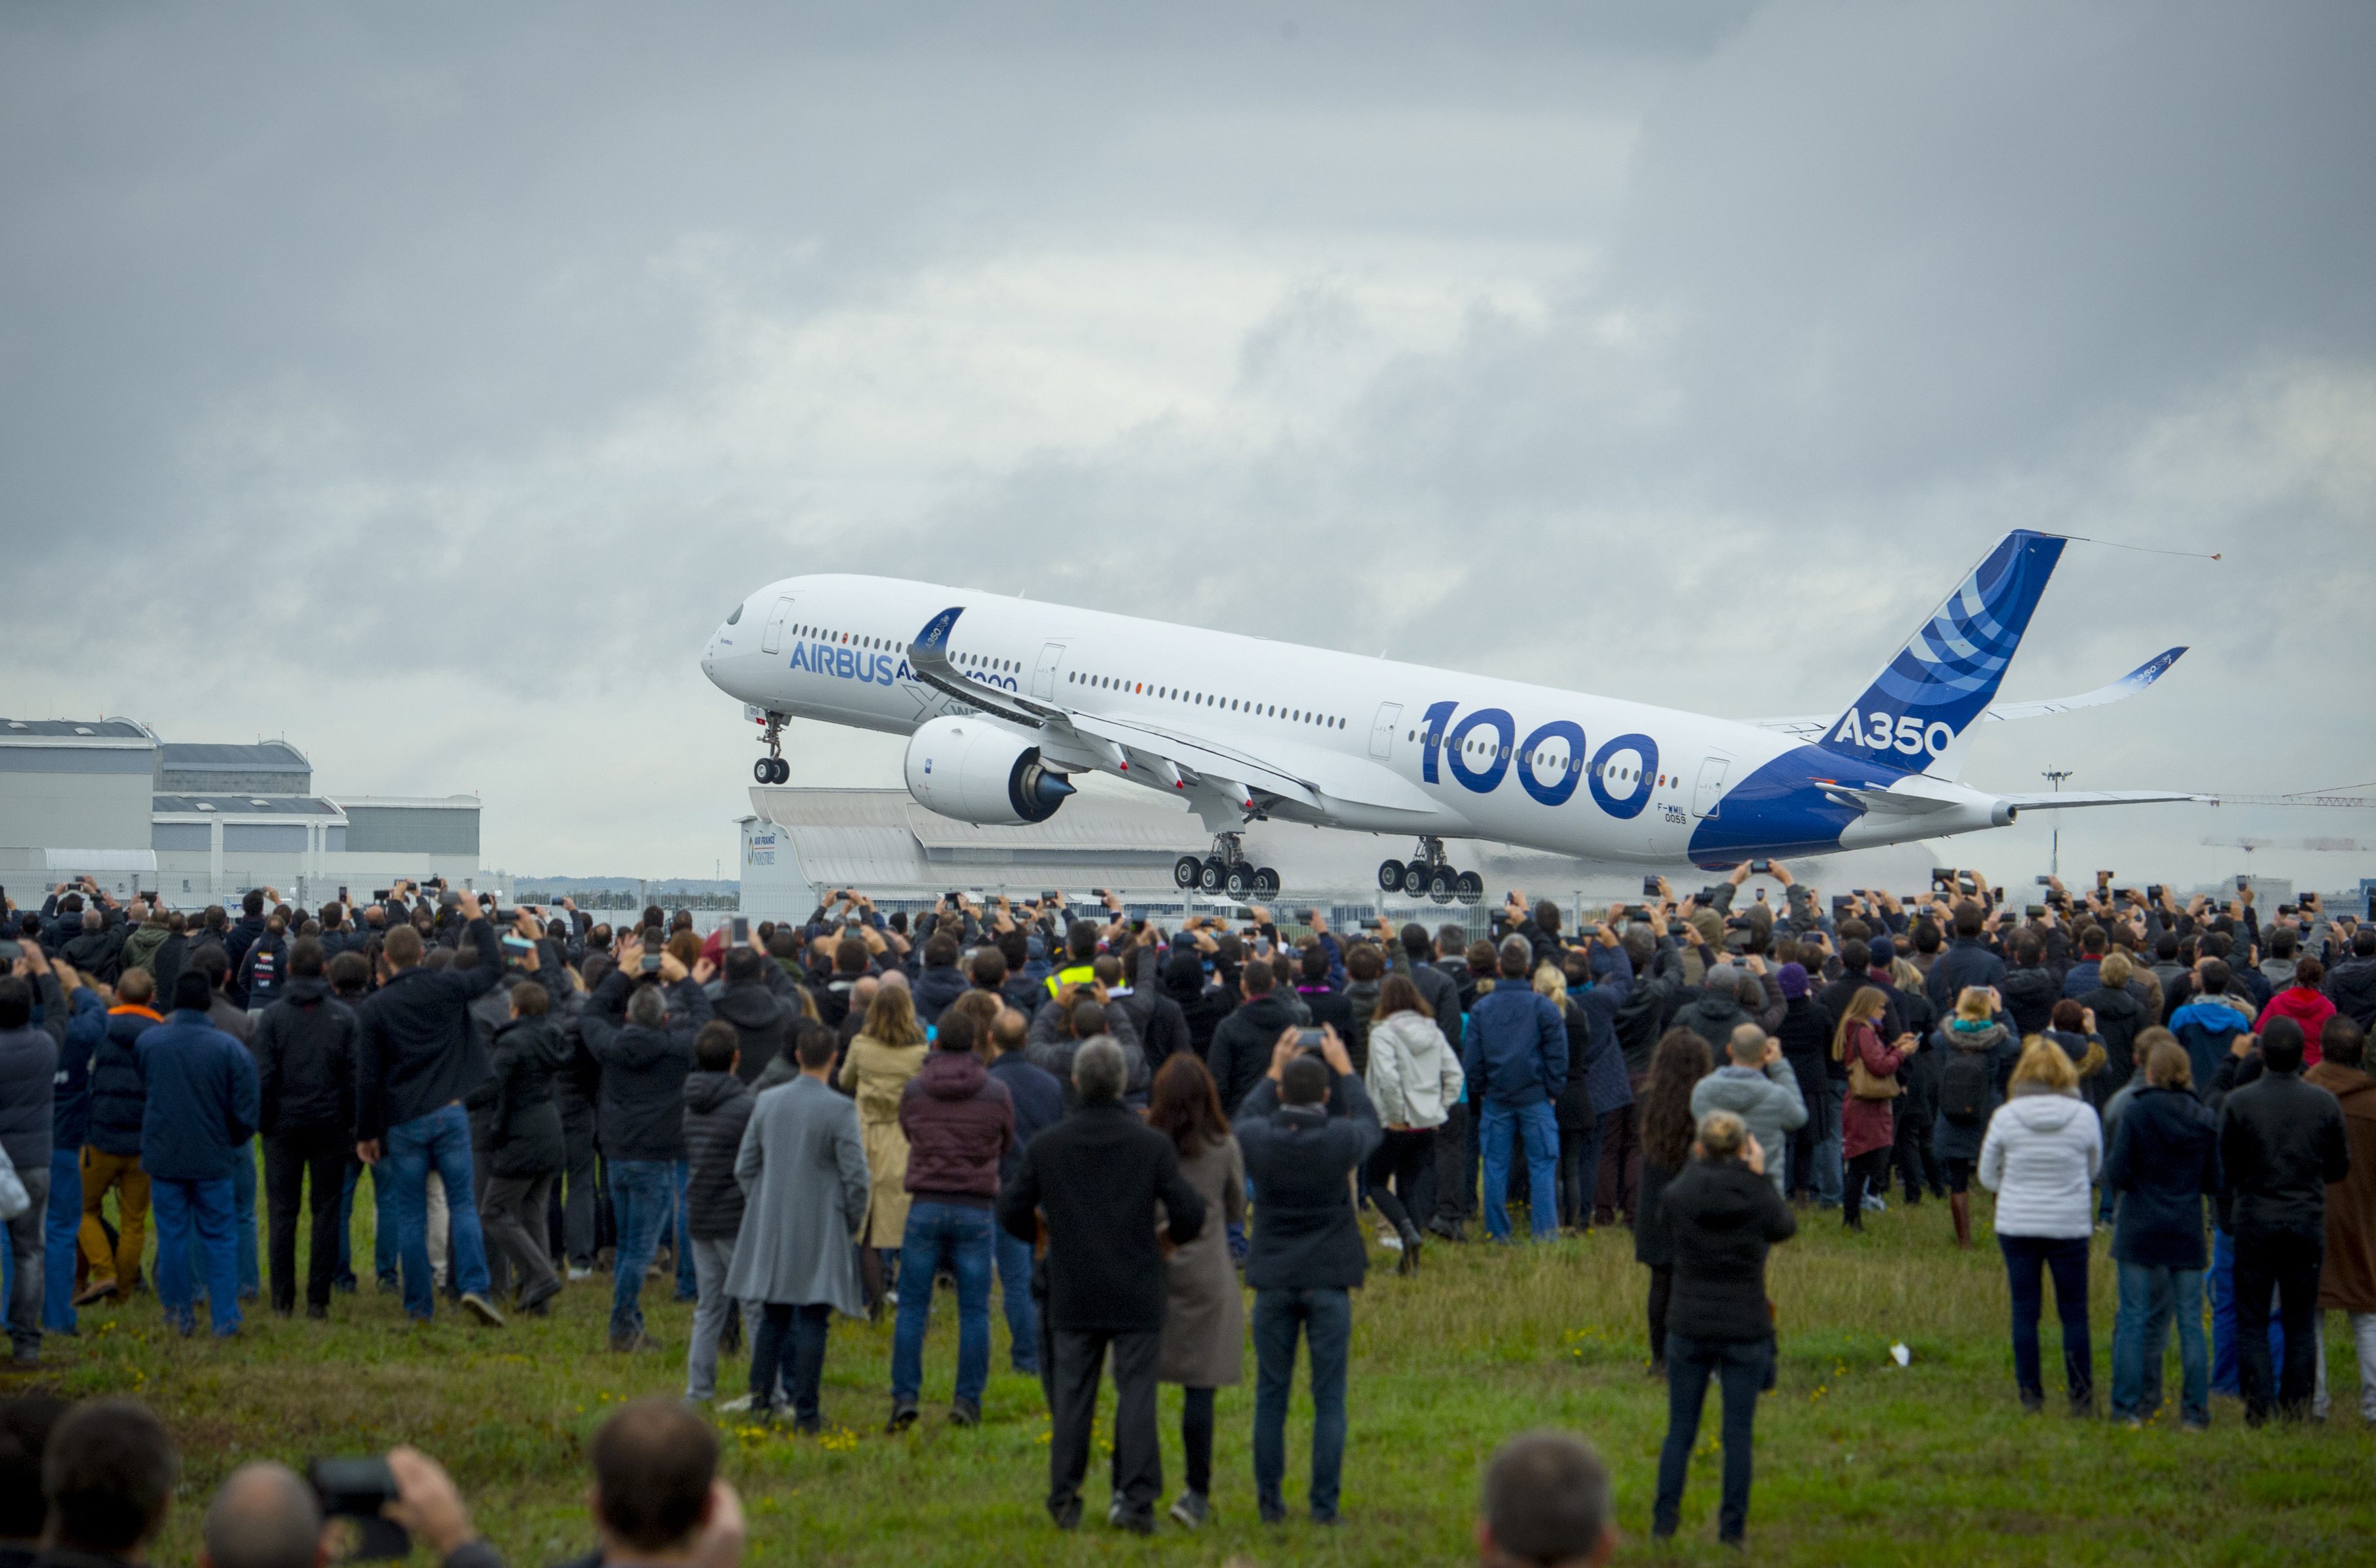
[(1004, 700)]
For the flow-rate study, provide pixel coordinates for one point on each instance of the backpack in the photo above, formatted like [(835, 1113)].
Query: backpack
[(1964, 1087)]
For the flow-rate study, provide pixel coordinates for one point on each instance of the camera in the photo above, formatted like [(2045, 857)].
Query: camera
[(354, 1491)]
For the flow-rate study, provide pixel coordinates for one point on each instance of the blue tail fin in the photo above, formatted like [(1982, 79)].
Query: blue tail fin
[(1920, 712)]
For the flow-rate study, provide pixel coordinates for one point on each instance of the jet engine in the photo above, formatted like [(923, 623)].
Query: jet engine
[(981, 772)]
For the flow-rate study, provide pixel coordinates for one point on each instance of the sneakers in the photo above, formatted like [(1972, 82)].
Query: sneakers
[(964, 1413), (479, 1307), (96, 1291), (577, 1274), (1123, 1517), (1190, 1510), (902, 1417)]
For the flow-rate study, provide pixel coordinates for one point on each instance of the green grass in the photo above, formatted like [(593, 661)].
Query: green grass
[(1859, 1461)]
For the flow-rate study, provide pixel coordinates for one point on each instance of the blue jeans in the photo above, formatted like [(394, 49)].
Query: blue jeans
[(1539, 1127), (439, 1140), (1013, 1256), (1828, 1177), (2066, 1259), (1740, 1366), (383, 1253), (2227, 1374), (688, 1278), (958, 1238), (24, 1250), (2149, 1298), (643, 1192), (1325, 1320), (181, 1208), (242, 1220), (60, 1234)]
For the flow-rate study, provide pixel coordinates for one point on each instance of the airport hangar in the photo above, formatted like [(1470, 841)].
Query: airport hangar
[(108, 798)]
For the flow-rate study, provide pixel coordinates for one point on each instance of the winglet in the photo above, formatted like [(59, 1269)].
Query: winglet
[(933, 640)]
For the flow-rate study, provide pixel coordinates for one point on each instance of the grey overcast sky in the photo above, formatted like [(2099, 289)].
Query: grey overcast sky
[(423, 382)]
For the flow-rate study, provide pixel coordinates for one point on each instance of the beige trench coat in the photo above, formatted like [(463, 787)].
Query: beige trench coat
[(878, 1072)]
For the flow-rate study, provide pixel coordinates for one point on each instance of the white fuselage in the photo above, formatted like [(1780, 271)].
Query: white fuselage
[(1610, 779)]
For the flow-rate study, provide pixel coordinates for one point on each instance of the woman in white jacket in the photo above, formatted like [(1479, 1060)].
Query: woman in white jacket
[(2041, 1156), (1414, 1080)]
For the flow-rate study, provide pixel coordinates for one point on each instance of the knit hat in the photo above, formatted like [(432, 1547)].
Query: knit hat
[(1884, 952), (193, 991), (1792, 979)]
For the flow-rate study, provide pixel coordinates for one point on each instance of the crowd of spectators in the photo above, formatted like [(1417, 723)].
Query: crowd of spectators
[(1109, 1125)]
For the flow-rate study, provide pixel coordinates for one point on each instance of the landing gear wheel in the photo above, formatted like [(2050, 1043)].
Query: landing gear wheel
[(1266, 883), (1470, 887), (764, 770), (1211, 875), (1415, 881), (1390, 876), (1186, 870), (1443, 886), (1239, 883)]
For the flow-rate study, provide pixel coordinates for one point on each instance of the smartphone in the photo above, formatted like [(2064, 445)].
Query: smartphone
[(1761, 895), (2035, 911), (1637, 911), (1308, 1041), (2154, 891), (652, 959), (1097, 892), (1761, 868), (354, 1491), (515, 943), (10, 952), (1942, 877), (1048, 895), (342, 893), (2044, 880), (741, 929), (2240, 882), (1649, 887), (1840, 901)]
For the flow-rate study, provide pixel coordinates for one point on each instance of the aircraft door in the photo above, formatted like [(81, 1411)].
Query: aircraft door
[(1043, 674), (1382, 733), (1707, 798), (773, 640)]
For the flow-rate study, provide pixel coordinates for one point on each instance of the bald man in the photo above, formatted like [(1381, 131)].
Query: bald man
[(265, 1516)]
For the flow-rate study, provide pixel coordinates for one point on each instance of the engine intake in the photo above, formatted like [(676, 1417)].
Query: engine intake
[(979, 771)]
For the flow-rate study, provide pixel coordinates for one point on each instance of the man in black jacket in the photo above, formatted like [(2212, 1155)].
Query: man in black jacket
[(306, 1082), (1305, 1259), (717, 1105), (762, 1020), (417, 1055), (641, 1029), (1966, 962), (1242, 1042), (2282, 1144), (1094, 1179)]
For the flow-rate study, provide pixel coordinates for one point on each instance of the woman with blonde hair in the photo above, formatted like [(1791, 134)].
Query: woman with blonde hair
[(1867, 1128), (887, 1051), (2041, 1157)]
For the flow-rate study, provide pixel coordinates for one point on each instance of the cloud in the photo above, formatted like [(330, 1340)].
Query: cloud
[(425, 386)]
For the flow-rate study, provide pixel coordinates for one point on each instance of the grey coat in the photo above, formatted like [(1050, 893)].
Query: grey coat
[(1205, 1320), (1768, 1101), (802, 1169)]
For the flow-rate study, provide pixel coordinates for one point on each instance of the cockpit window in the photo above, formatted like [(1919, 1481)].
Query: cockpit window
[(736, 616)]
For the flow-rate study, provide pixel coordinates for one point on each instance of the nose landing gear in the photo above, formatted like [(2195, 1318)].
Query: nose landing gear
[(1429, 875), (772, 768)]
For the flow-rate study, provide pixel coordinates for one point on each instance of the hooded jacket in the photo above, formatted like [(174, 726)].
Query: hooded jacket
[(264, 971), (2282, 1144), (119, 1094), (1767, 1099), (70, 1107), (763, 1023), (203, 1100), (717, 1108), (306, 1061), (1998, 1054), (1038, 1101), (2040, 1157), (2030, 992), (2208, 1028), (959, 1122), (1240, 1055), (29, 1073), (2352, 986), (2165, 1161), (2347, 1280), (1513, 1047), (1966, 962), (140, 947), (1714, 1014), (524, 1115), (935, 988), (2118, 1017), (1413, 1077), (1721, 1217), (2311, 1009)]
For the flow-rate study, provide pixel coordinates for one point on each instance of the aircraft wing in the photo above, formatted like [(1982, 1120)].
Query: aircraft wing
[(2044, 801), (1078, 737), (1813, 726)]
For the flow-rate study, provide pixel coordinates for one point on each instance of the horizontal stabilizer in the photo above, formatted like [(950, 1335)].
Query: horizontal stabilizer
[(2067, 798), (1813, 726)]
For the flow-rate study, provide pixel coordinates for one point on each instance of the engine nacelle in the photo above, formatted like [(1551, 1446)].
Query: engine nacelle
[(979, 771)]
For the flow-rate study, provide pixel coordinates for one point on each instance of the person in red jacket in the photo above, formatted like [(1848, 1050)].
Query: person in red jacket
[(1868, 1130), (959, 1122), (2305, 1004)]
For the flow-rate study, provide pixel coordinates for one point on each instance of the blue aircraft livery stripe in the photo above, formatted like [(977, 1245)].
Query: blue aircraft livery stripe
[(1781, 809), (1944, 677)]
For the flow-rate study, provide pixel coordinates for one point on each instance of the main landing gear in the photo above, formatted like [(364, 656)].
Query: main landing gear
[(772, 768), (1428, 875), (1225, 871)]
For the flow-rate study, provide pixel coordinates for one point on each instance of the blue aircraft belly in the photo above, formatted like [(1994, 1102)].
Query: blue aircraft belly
[(1778, 809)]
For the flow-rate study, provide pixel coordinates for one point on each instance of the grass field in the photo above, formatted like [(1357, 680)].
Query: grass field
[(1859, 1461)]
